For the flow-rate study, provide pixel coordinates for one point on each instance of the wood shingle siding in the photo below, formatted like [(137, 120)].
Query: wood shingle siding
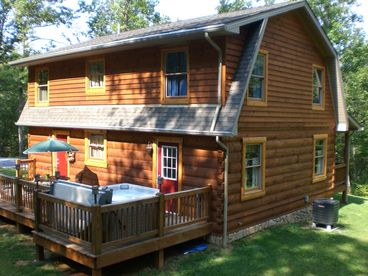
[(289, 124)]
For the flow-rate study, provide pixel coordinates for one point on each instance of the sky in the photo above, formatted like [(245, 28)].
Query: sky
[(175, 9)]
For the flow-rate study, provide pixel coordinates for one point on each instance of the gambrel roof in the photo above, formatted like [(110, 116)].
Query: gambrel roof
[(190, 119)]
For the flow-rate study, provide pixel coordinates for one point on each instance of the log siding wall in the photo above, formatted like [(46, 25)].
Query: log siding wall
[(128, 161), (131, 77), (289, 123)]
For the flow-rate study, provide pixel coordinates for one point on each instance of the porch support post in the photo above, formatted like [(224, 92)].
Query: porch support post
[(159, 255), (40, 252), (347, 163)]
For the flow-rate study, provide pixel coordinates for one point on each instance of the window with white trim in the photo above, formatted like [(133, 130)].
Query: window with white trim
[(169, 162)]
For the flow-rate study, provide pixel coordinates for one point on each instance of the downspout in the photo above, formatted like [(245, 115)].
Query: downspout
[(219, 82), (218, 141)]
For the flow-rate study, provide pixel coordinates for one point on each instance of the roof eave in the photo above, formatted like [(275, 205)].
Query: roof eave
[(122, 128), (141, 41)]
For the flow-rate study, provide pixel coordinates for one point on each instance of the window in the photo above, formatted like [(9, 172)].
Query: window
[(318, 88), (253, 168), (96, 149), (169, 162), (95, 76), (175, 76), (320, 157), (257, 89), (42, 87)]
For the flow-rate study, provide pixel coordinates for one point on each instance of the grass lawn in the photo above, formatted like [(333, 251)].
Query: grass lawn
[(8, 171), (288, 250), (285, 250)]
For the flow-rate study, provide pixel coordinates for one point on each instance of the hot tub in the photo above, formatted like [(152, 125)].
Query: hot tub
[(115, 193)]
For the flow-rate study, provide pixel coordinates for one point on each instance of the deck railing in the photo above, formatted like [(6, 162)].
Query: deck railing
[(103, 226), (18, 192)]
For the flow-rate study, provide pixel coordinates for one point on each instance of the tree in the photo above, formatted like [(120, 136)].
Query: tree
[(234, 5), (227, 5), (113, 16), (18, 19)]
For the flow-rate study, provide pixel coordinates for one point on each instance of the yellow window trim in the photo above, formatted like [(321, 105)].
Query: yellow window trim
[(102, 163), (95, 90), (45, 103), (254, 193), (173, 100), (54, 134), (155, 143), (320, 107), (263, 102), (317, 178)]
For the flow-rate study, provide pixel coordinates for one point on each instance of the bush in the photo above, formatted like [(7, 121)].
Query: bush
[(359, 189)]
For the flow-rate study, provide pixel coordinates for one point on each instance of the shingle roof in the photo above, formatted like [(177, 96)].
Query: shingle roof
[(218, 22)]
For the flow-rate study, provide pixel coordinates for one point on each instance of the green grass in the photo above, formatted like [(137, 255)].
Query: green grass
[(288, 250), (285, 250), (7, 171)]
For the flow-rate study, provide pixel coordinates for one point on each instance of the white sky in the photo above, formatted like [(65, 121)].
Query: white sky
[(175, 9)]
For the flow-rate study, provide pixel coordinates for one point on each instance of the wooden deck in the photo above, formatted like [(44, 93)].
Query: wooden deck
[(101, 235)]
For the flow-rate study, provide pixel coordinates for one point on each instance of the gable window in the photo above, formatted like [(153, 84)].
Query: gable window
[(318, 88), (96, 149), (253, 167), (95, 76), (257, 89), (42, 87), (175, 76), (320, 157)]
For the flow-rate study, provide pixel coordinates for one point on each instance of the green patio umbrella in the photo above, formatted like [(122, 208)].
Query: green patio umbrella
[(51, 145)]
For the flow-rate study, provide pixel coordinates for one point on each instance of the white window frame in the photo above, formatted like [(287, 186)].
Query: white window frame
[(169, 157)]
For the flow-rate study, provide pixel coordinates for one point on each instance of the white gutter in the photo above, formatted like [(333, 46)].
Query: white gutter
[(218, 141), (218, 49), (114, 43)]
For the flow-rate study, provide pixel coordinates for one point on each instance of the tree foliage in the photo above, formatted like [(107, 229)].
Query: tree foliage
[(113, 16), (18, 19)]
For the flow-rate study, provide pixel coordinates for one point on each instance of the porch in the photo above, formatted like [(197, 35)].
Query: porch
[(101, 235)]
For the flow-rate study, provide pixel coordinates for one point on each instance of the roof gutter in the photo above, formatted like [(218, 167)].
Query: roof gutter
[(32, 60)]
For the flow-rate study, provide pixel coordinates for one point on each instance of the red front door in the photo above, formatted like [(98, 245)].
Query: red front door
[(61, 162), (167, 169)]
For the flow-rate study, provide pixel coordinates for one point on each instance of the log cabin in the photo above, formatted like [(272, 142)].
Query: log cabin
[(249, 102)]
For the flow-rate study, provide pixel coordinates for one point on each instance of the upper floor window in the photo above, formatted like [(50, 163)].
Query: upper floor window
[(257, 89), (318, 88), (42, 87), (96, 149), (175, 76), (95, 76), (320, 157), (253, 175)]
